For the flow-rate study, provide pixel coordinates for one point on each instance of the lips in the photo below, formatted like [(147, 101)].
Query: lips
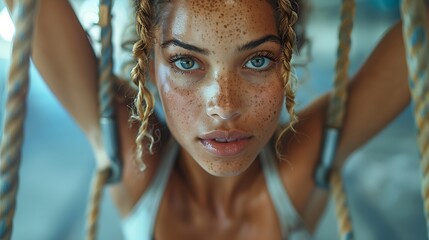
[(224, 143)]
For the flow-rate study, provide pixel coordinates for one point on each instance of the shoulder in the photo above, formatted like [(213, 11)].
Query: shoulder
[(300, 146), (300, 151), (134, 182)]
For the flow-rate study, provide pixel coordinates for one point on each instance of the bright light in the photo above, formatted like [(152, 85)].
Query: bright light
[(7, 28)]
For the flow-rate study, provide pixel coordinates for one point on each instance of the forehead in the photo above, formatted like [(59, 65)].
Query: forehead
[(223, 18), (223, 6)]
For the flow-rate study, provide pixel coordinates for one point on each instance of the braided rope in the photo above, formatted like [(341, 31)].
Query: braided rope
[(18, 81), (417, 50), (338, 100), (341, 210), (107, 122), (336, 112), (106, 61), (99, 180)]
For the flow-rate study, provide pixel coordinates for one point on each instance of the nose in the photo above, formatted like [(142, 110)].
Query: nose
[(224, 102)]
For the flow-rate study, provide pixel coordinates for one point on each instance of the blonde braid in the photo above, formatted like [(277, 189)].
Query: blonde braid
[(288, 17), (144, 102)]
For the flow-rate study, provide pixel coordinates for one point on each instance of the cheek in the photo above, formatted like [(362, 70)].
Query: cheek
[(265, 106), (181, 106)]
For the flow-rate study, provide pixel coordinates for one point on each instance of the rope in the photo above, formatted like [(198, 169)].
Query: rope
[(417, 50), (99, 180), (106, 93), (106, 61), (336, 112), (110, 173), (341, 210), (18, 81), (337, 104)]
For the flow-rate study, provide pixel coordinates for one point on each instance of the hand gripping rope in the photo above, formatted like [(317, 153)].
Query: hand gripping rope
[(18, 81), (107, 120), (327, 170), (414, 26)]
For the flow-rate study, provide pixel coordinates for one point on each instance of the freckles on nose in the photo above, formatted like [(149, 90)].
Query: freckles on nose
[(228, 92), (225, 98)]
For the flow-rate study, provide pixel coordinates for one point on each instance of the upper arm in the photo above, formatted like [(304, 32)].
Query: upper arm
[(65, 59), (377, 93)]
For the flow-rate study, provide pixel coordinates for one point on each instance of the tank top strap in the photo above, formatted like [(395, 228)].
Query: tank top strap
[(140, 224), (290, 221)]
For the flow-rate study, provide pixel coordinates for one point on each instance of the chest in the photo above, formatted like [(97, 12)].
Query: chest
[(254, 218)]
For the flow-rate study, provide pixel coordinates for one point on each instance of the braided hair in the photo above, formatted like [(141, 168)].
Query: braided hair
[(144, 101)]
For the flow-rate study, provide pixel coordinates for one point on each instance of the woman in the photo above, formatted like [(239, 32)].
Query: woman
[(222, 72)]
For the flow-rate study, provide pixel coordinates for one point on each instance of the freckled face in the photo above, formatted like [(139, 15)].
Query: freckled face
[(217, 71)]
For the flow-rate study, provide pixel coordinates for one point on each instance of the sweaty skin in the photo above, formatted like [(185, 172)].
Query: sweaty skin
[(220, 93)]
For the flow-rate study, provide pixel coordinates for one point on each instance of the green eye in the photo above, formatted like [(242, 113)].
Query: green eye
[(258, 63), (186, 64)]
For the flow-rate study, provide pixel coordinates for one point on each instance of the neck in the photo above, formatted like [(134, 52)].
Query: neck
[(214, 192)]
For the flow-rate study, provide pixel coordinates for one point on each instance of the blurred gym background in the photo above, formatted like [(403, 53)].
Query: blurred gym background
[(382, 178)]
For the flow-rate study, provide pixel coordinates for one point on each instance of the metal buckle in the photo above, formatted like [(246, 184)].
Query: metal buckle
[(110, 141), (329, 150)]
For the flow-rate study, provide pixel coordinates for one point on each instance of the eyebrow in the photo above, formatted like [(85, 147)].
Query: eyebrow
[(187, 46), (257, 42), (247, 46)]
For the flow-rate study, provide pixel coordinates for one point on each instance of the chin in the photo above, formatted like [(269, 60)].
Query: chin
[(225, 167)]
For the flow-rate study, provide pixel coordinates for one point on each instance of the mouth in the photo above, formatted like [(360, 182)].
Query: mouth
[(222, 143)]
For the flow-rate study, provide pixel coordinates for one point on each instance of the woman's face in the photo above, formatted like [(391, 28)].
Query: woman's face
[(217, 71)]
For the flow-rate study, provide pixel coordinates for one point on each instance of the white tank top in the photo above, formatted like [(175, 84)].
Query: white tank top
[(140, 223)]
